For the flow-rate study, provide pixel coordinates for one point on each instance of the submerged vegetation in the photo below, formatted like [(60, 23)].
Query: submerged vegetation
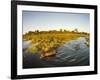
[(46, 42)]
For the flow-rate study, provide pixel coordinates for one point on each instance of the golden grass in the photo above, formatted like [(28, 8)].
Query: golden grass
[(48, 41)]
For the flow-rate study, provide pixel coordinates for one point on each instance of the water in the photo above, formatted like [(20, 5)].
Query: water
[(73, 53), (26, 44)]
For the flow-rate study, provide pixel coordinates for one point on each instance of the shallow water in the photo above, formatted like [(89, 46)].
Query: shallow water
[(73, 53)]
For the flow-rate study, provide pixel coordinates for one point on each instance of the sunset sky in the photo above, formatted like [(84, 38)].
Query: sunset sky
[(44, 21)]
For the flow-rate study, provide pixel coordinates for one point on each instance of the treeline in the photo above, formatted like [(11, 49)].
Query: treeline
[(55, 31)]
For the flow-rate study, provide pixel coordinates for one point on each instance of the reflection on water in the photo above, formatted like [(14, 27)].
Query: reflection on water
[(73, 53)]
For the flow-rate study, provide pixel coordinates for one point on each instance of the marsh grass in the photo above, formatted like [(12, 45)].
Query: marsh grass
[(47, 42)]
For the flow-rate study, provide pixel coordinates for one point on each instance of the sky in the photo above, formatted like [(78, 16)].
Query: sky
[(44, 21)]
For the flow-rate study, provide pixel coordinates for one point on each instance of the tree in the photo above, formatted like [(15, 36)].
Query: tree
[(60, 30), (75, 30), (37, 31)]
